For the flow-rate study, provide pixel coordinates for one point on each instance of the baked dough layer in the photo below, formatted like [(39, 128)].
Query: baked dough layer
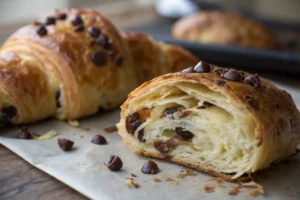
[(228, 129)]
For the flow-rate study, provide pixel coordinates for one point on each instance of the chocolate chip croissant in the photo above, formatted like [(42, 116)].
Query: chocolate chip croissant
[(70, 64), (221, 121)]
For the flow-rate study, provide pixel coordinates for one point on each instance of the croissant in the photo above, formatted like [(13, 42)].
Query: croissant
[(224, 122), (73, 63), (220, 27)]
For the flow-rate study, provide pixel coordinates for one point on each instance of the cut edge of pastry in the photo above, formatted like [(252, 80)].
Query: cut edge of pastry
[(249, 150)]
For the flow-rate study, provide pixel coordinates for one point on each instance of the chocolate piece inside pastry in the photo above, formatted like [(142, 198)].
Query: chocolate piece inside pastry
[(218, 122)]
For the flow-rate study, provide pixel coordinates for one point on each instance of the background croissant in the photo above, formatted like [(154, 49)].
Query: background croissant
[(74, 62)]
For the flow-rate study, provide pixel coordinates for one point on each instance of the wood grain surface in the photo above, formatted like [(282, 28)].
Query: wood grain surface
[(21, 181)]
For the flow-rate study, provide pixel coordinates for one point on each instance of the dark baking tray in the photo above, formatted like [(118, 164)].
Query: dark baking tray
[(254, 60), (244, 58)]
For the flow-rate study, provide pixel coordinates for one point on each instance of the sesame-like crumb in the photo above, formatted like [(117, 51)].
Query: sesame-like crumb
[(86, 129), (133, 175), (74, 123), (186, 172), (110, 129), (234, 190), (253, 192), (209, 188), (131, 184), (157, 179), (169, 179)]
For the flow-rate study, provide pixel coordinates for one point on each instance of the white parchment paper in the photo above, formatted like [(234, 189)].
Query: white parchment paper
[(83, 168)]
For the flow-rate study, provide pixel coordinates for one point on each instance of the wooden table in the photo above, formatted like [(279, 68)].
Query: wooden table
[(20, 180)]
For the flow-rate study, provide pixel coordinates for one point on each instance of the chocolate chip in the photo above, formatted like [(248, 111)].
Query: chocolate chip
[(9, 111), (94, 31), (202, 67), (207, 104), (65, 144), (79, 28), (185, 135), (119, 60), (133, 122), (114, 163), (98, 139), (253, 80), (24, 134), (277, 106), (168, 112), (98, 58), (41, 30), (141, 135), (150, 167), (220, 82), (77, 20), (100, 109), (251, 102), (50, 20), (188, 70), (103, 41), (167, 146), (233, 75), (62, 16), (57, 99)]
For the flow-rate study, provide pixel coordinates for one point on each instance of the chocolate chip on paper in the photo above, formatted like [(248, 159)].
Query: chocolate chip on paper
[(99, 139), (65, 144), (150, 167), (115, 163), (24, 134)]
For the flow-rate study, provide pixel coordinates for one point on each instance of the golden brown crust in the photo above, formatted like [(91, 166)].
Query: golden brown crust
[(156, 58), (277, 119), (188, 164), (58, 66), (221, 27)]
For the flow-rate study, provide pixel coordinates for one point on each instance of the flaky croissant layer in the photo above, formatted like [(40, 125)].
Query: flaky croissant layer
[(73, 63), (223, 122)]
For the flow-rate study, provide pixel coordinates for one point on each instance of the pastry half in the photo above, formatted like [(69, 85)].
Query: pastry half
[(220, 121), (219, 27)]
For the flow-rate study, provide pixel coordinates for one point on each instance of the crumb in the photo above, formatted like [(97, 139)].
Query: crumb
[(74, 123), (71, 169), (175, 182), (194, 181), (169, 179), (252, 184), (130, 184), (253, 192), (86, 129), (110, 129), (209, 188), (234, 190), (81, 136), (133, 175), (157, 179), (186, 172), (219, 180)]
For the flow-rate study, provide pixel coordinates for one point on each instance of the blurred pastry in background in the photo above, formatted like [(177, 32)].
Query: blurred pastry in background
[(220, 27)]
